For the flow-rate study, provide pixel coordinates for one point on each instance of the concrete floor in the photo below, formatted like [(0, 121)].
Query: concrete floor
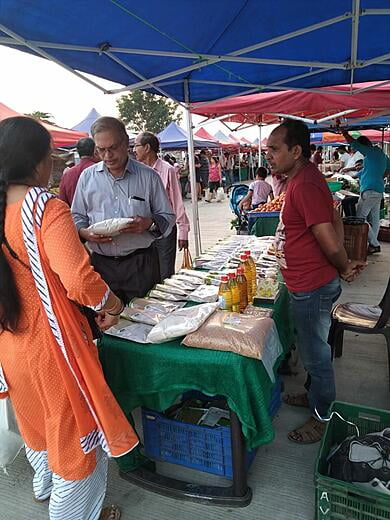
[(281, 476)]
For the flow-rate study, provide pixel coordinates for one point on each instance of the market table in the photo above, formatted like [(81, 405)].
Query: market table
[(154, 376), (261, 225)]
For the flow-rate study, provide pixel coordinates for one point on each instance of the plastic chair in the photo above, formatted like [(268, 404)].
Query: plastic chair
[(360, 318)]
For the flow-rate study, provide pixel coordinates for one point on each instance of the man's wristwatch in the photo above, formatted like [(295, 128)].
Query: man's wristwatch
[(153, 230)]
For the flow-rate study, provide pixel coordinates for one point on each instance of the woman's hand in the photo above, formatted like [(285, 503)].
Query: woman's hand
[(104, 320)]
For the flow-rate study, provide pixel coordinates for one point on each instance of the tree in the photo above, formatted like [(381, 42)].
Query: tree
[(142, 111), (42, 116)]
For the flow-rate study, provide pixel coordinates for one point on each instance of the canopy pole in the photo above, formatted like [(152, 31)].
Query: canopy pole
[(191, 164), (259, 161)]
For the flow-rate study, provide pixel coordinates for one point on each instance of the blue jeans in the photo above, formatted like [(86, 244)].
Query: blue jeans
[(368, 208), (312, 318)]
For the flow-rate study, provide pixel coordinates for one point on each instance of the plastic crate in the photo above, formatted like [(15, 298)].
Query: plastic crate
[(339, 500), (197, 447), (265, 214)]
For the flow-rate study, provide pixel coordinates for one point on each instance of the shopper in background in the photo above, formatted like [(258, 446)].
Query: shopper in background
[(259, 191), (343, 156), (215, 176), (316, 158), (309, 247), (376, 166), (146, 148), (204, 169), (86, 150), (49, 366)]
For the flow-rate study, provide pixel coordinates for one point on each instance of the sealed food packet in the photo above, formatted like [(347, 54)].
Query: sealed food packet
[(124, 329), (161, 295), (110, 227), (149, 317), (155, 305), (245, 335), (181, 322)]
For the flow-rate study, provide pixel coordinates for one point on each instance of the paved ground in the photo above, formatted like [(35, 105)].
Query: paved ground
[(282, 474)]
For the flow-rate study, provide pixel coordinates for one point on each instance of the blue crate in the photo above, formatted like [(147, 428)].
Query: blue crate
[(197, 447)]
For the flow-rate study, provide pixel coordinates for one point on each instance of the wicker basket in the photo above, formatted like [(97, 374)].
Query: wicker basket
[(355, 238), (384, 234)]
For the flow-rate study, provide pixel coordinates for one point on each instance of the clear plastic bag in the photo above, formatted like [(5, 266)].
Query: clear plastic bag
[(181, 322), (10, 440), (245, 335)]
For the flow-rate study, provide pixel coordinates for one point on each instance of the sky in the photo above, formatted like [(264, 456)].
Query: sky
[(29, 83)]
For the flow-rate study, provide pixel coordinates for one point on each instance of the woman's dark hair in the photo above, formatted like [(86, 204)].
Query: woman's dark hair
[(24, 143), (297, 133)]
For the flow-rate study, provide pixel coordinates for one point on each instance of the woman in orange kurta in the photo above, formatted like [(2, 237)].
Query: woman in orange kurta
[(49, 367)]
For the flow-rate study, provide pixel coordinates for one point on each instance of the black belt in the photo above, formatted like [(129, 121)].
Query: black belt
[(126, 257)]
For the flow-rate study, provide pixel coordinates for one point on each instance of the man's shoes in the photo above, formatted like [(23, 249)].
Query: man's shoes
[(373, 249)]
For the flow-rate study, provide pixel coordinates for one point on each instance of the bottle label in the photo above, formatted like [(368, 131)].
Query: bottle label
[(223, 303)]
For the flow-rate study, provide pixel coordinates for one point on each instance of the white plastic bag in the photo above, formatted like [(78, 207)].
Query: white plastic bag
[(10, 440), (220, 194), (110, 227), (181, 322), (204, 294), (207, 195)]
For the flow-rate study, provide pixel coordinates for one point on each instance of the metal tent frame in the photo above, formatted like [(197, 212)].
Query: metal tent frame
[(200, 60)]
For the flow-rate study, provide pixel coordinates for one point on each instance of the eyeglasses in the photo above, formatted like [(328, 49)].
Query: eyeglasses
[(138, 144), (112, 148)]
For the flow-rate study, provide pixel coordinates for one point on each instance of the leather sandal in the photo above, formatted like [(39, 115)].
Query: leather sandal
[(309, 433), (110, 513), (300, 400)]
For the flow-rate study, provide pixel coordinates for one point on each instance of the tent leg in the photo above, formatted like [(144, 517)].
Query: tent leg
[(259, 161), (191, 163)]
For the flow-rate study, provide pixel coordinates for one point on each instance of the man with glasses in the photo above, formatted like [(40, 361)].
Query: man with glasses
[(146, 148), (120, 187)]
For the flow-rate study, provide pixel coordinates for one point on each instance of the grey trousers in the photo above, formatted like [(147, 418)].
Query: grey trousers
[(166, 248)]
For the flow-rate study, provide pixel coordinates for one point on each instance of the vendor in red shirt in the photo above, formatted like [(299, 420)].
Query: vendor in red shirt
[(309, 246), (69, 180)]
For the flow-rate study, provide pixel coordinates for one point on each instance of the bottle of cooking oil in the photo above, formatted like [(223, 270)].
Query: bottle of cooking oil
[(242, 288), (235, 292), (225, 294), (248, 275), (253, 271)]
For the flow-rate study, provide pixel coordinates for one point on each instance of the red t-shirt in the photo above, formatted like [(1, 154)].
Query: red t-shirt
[(308, 202), (70, 179)]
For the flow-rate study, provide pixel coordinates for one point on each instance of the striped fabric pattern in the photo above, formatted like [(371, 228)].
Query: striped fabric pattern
[(3, 382), (70, 499), (32, 212)]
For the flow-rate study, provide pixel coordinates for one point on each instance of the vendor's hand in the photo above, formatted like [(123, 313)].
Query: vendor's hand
[(183, 244), (138, 225), (354, 268), (104, 320), (89, 236)]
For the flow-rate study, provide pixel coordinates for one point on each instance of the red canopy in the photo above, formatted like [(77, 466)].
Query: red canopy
[(60, 136), (257, 108), (205, 135)]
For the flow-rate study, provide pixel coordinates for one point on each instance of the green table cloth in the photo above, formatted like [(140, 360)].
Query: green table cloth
[(155, 375), (262, 226)]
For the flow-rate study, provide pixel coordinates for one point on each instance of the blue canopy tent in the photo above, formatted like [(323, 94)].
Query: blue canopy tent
[(173, 137), (85, 124), (171, 49)]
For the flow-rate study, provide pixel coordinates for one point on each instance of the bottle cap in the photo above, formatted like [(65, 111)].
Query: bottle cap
[(243, 257), (224, 278), (240, 270), (247, 252), (232, 274)]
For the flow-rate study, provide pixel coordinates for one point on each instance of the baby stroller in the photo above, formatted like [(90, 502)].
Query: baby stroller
[(236, 193)]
